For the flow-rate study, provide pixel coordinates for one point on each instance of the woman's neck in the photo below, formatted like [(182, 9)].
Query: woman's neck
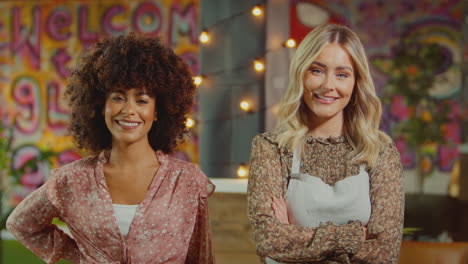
[(324, 128), (132, 156)]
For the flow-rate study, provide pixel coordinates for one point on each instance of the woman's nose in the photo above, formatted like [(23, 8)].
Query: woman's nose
[(329, 83), (128, 107)]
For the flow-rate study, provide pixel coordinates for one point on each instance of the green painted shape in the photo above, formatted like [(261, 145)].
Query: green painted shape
[(15, 253)]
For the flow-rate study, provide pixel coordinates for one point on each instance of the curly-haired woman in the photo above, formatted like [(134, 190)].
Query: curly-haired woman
[(129, 202), (327, 185)]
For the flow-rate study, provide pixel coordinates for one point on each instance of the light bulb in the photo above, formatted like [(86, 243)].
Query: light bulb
[(290, 43), (259, 66), (204, 37), (197, 80), (242, 171), (189, 123), (244, 105), (257, 11)]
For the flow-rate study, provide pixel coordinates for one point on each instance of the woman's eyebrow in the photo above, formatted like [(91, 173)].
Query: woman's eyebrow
[(344, 68), (338, 68), (320, 64), (142, 92)]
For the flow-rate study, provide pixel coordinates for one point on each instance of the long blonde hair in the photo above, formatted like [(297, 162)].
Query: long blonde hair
[(362, 115)]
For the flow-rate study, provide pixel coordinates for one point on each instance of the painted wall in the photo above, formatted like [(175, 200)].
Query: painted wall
[(40, 43)]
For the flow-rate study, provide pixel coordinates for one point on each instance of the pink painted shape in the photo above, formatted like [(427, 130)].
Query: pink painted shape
[(3, 36), (446, 157), (86, 37), (188, 15), (59, 60), (25, 96), (452, 133), (31, 179), (399, 108), (56, 22), (192, 60), (107, 25), (407, 156), (68, 156), (147, 8), (53, 90), (29, 44)]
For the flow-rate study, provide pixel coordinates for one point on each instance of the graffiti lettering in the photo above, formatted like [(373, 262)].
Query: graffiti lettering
[(24, 43), (182, 22), (57, 22), (60, 59), (27, 94), (32, 179), (57, 117), (147, 19), (86, 37), (107, 25), (3, 35)]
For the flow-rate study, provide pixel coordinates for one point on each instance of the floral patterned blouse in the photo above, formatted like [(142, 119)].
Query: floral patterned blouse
[(329, 159), (171, 224)]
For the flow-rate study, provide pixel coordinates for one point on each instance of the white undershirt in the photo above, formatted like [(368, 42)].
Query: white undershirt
[(124, 214)]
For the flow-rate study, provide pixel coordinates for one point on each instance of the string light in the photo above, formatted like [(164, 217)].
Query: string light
[(197, 80), (290, 43), (189, 123), (204, 37), (275, 109), (257, 11), (242, 171), (244, 105), (259, 66)]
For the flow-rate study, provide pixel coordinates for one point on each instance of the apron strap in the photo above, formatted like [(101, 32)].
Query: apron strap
[(296, 161)]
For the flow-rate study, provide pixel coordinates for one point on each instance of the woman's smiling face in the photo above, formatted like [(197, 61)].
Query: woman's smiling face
[(329, 83), (129, 115)]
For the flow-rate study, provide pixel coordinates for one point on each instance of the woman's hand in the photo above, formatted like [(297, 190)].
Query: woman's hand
[(280, 210), (366, 233)]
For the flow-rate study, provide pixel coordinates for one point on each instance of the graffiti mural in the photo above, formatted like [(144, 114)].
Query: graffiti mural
[(381, 26), (39, 44)]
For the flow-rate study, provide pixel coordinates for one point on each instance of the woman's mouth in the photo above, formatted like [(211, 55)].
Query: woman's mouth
[(127, 124), (325, 99)]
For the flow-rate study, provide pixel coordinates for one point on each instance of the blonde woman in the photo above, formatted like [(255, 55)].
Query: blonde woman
[(326, 186)]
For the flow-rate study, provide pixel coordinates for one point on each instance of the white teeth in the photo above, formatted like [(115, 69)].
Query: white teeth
[(325, 98), (128, 124)]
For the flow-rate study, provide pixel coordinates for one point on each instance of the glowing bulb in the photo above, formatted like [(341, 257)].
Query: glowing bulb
[(204, 37), (242, 171), (290, 43), (197, 80), (257, 11), (275, 109), (244, 105), (189, 122), (259, 66)]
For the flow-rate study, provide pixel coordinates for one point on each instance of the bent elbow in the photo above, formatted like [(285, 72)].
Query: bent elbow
[(11, 224)]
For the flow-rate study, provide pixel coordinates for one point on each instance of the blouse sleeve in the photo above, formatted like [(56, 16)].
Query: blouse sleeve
[(387, 201), (200, 247), (284, 242), (31, 224)]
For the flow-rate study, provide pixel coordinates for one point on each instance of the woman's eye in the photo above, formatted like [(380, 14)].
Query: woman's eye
[(342, 75), (142, 101), (117, 98), (316, 71)]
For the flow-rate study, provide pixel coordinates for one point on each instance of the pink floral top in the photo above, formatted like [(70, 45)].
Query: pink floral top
[(171, 224)]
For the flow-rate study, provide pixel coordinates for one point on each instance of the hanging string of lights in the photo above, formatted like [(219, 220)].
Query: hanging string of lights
[(258, 65)]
